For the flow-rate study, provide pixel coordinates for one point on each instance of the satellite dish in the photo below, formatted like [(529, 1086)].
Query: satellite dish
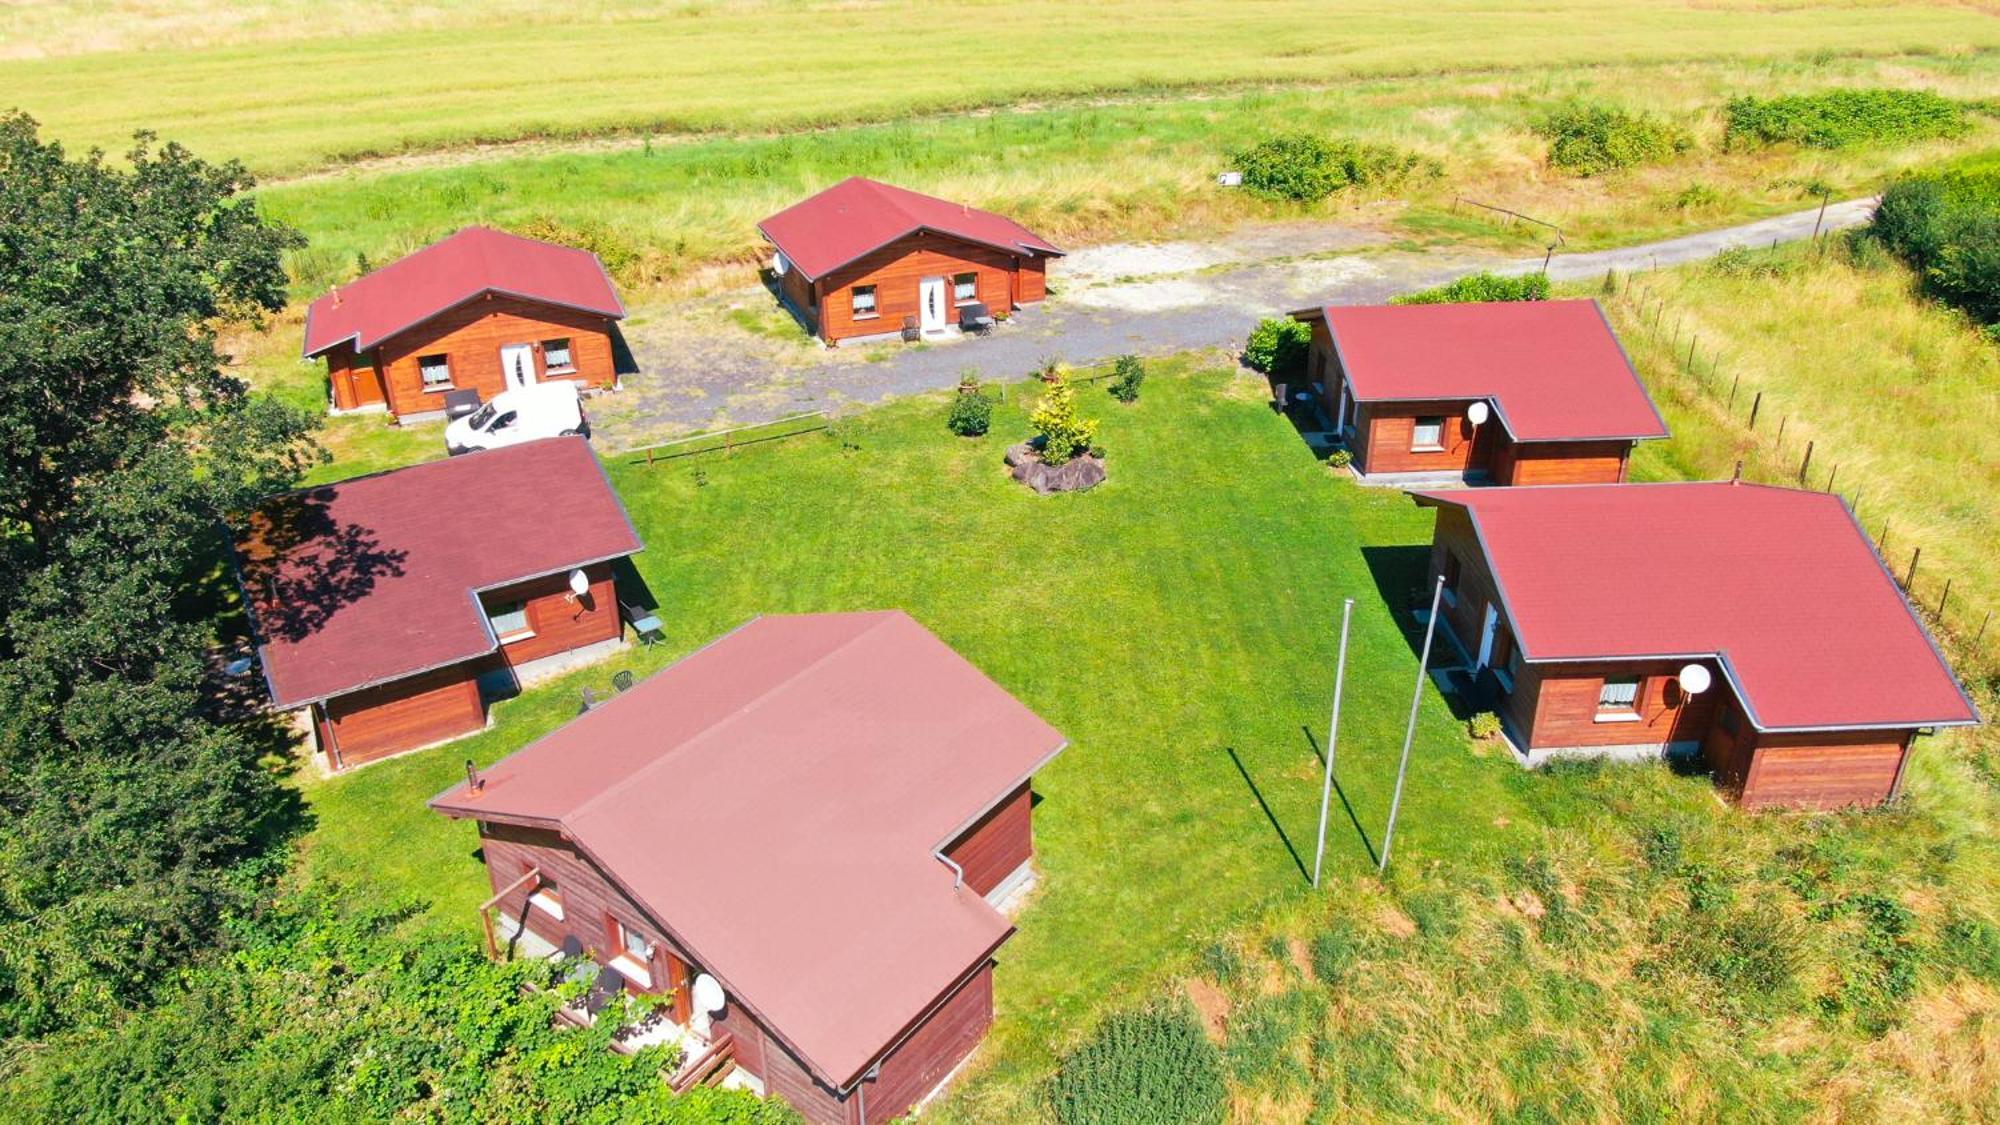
[(579, 582), (1477, 413), (1694, 679), (708, 995)]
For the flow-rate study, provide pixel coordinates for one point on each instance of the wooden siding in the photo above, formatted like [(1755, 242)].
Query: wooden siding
[(354, 380), (940, 1043), (589, 900), (798, 290), (898, 269), (1386, 429), (557, 623), (998, 843), (417, 711), (1566, 705), (1561, 462), (472, 335), (1031, 279), (1825, 770)]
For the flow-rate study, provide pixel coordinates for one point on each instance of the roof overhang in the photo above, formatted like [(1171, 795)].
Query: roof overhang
[(1005, 248), (360, 345)]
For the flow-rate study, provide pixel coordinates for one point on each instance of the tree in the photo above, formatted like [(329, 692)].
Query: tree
[(133, 810), (1064, 435)]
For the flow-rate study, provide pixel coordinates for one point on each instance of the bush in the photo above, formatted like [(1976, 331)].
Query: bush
[(1481, 287), (1839, 118), (1306, 168), (1277, 347), (971, 412), (1484, 726), (1340, 458), (1127, 374), (1153, 1066), (1590, 139), (1064, 435), (1947, 227)]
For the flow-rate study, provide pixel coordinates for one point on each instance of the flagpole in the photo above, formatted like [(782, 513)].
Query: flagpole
[(1332, 739), (1410, 731)]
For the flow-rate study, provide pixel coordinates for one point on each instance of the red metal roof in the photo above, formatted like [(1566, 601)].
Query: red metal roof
[(858, 215), (1553, 370), (443, 275), (776, 801), (1781, 584), (377, 578)]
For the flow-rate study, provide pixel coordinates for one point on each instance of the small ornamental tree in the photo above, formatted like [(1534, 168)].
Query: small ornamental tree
[(1127, 374), (1064, 435)]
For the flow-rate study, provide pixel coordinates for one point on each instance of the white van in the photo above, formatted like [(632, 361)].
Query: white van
[(524, 414)]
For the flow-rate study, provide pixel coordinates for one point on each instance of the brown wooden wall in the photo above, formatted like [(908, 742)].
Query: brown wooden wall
[(923, 1060), (897, 270), (394, 717), (998, 843), (1825, 770), (799, 290), (1566, 705), (558, 623), (1385, 429), (1560, 462), (1031, 281), (355, 382), (473, 333)]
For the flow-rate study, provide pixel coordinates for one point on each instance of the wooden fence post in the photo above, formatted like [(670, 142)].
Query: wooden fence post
[(1756, 404), (1733, 384), (1805, 464), (1911, 575), (1984, 622), (1781, 430), (1690, 359), (1831, 475), (1944, 599), (1882, 540)]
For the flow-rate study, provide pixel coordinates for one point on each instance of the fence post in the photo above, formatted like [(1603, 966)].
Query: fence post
[(1756, 404), (1911, 576), (1831, 475), (1733, 383), (1805, 464), (1882, 540), (1984, 622), (1781, 430), (1944, 598), (1690, 360)]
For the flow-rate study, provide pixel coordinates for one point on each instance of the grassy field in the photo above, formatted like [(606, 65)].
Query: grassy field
[(1178, 624), (1899, 396), (372, 81)]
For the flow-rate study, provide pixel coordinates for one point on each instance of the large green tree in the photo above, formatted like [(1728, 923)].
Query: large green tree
[(133, 810)]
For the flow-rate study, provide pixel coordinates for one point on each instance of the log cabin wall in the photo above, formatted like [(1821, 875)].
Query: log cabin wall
[(1031, 279), (556, 623), (998, 843), (403, 715), (786, 1077), (798, 291), (588, 901), (1388, 429), (898, 269), (353, 380), (473, 333), (1561, 462), (940, 1043), (1825, 769), (1470, 587), (1566, 714)]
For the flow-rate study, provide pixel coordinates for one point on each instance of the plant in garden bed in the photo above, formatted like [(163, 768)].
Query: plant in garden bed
[(1154, 1064), (971, 412), (1340, 458), (1127, 373), (1484, 726), (1062, 435)]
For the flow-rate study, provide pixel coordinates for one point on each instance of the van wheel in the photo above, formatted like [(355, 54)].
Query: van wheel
[(571, 433)]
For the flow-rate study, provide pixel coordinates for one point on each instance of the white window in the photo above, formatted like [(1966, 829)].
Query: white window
[(634, 956), (509, 620), (556, 356), (864, 301), (1428, 434), (436, 370), (965, 288), (1618, 696)]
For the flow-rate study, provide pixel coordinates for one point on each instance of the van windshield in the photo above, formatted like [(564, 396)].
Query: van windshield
[(482, 416)]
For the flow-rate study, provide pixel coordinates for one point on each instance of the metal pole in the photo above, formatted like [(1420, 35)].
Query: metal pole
[(1410, 731), (1332, 739)]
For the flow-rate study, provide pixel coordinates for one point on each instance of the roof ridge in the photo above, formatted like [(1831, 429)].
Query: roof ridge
[(883, 617)]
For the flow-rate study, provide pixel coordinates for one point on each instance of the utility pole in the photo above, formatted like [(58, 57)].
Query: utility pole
[(1332, 738), (1410, 731)]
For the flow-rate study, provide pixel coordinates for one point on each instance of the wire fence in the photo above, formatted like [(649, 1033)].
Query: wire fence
[(1782, 454), (732, 439)]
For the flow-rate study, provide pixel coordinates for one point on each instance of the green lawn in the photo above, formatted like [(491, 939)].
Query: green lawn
[(1178, 624)]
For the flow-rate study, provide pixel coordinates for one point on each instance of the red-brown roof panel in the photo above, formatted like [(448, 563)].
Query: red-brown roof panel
[(856, 216), (1780, 583), (1553, 370)]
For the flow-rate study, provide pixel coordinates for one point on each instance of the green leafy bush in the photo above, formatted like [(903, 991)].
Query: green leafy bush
[(1947, 227), (1484, 726), (1152, 1066), (1127, 374), (1306, 168), (1840, 118), (1340, 458), (971, 412), (1482, 286), (1278, 346), (1064, 435), (1592, 139)]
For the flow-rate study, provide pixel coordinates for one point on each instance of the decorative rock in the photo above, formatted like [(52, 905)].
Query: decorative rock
[(1075, 475)]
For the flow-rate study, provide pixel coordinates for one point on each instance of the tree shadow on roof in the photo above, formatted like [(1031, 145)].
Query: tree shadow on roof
[(300, 565)]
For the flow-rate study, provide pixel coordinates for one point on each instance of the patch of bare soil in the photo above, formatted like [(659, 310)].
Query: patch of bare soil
[(1395, 923), (1212, 1006)]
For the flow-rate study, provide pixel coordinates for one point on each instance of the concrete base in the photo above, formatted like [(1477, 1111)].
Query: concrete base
[(337, 412), (1010, 895), (549, 667), (1628, 752), (1420, 480)]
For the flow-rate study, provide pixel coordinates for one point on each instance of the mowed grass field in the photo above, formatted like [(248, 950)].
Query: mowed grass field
[(371, 81)]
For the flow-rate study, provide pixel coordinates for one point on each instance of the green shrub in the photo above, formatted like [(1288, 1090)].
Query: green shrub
[(1340, 458), (1484, 726), (971, 413), (1839, 118), (1306, 168), (1278, 346), (1481, 286), (1064, 435), (1126, 375), (1152, 1066), (1697, 196), (1590, 139), (1947, 227)]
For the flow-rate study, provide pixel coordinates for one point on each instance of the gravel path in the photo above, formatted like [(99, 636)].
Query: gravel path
[(700, 370)]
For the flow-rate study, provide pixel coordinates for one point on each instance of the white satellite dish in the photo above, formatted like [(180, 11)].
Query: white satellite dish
[(1694, 679), (579, 582), (1477, 413), (708, 997)]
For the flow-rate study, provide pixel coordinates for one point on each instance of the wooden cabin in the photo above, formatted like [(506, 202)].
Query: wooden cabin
[(1577, 609), (393, 607), (829, 816), (482, 310), (863, 260), (1403, 386)]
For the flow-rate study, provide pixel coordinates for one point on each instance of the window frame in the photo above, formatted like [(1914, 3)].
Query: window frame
[(425, 366), (1417, 426), (508, 609), (970, 277), (874, 311), (1614, 712), (565, 344), (633, 968), (547, 895)]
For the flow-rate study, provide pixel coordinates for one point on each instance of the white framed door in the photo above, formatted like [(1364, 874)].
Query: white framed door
[(930, 296), (517, 364), (1488, 630)]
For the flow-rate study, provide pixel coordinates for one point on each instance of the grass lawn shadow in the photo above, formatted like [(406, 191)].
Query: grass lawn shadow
[(1276, 825)]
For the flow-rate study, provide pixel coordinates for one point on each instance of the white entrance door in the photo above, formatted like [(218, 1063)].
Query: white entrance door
[(930, 294), (1487, 631), (517, 363)]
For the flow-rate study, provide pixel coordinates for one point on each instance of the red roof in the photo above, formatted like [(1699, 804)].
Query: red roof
[(776, 800), (857, 215), (377, 578), (1781, 585), (1553, 370), (444, 275)]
